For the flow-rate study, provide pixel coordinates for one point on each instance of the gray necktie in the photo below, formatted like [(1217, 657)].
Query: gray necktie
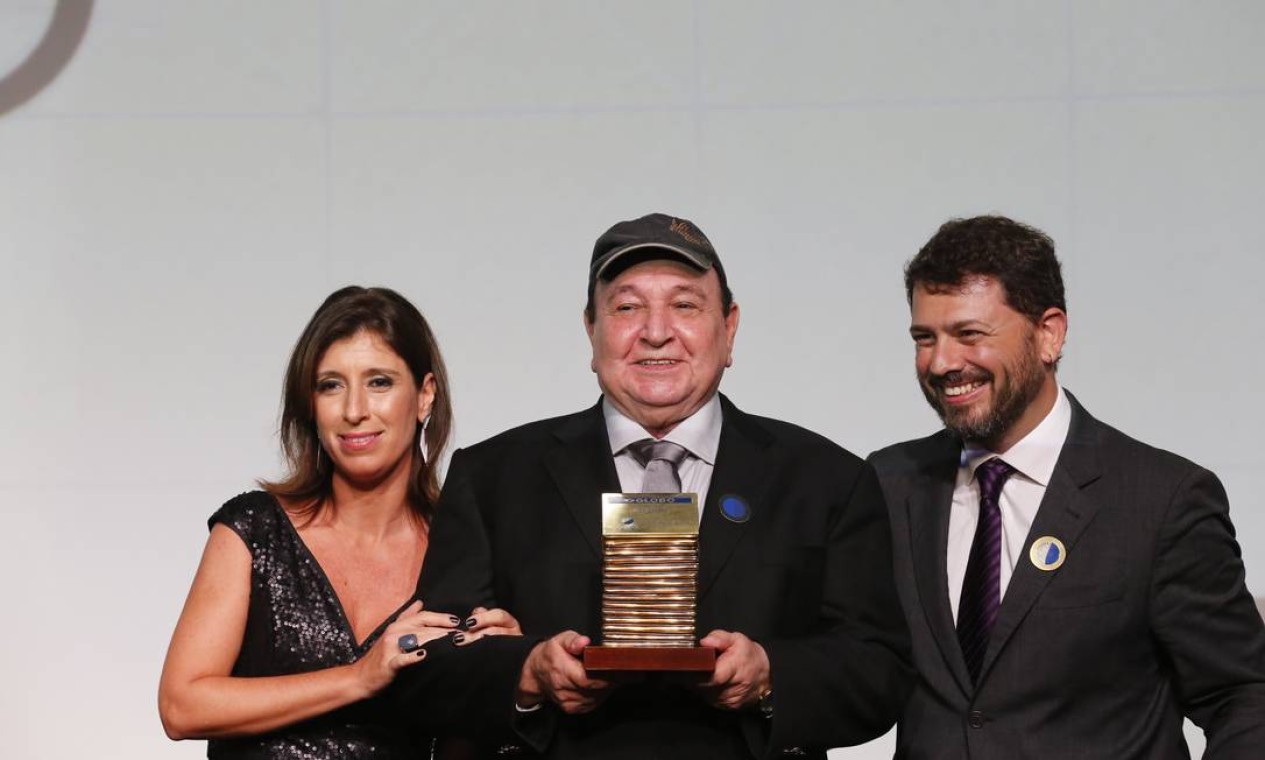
[(660, 458)]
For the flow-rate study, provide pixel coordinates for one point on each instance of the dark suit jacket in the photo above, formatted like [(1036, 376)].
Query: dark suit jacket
[(808, 576), (1147, 620)]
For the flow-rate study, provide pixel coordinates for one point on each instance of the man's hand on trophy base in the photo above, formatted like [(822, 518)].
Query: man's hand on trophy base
[(554, 672), (742, 671)]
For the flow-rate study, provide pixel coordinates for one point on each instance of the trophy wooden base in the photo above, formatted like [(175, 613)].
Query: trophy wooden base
[(680, 659)]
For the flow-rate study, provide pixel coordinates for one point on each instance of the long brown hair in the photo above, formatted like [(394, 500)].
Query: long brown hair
[(400, 325)]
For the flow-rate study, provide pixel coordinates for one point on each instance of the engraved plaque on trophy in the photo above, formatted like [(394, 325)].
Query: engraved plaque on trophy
[(649, 585)]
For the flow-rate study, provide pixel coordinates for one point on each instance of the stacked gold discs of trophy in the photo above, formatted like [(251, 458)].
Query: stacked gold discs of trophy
[(648, 590), (649, 585)]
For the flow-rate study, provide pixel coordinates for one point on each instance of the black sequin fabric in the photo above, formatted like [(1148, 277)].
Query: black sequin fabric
[(296, 624)]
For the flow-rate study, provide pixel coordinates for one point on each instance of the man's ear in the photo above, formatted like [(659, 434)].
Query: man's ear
[(1051, 334), (731, 330), (589, 327)]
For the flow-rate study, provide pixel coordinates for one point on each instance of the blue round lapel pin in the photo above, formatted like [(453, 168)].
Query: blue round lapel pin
[(735, 508), (1047, 553)]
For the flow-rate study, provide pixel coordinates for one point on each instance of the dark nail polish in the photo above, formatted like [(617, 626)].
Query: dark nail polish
[(471, 622), (458, 638), (454, 620)]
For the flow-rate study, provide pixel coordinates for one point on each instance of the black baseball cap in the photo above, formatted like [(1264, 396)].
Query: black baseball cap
[(653, 236)]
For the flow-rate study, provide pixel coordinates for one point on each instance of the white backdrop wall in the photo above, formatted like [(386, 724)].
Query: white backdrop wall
[(202, 173)]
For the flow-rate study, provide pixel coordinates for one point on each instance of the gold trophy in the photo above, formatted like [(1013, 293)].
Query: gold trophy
[(649, 585)]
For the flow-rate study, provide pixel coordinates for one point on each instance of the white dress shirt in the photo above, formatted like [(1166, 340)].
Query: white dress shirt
[(1033, 458), (699, 434)]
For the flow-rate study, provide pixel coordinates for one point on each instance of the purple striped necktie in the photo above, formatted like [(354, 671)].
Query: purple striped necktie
[(981, 586)]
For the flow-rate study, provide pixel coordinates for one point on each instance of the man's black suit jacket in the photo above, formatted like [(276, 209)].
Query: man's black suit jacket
[(1147, 620), (808, 576)]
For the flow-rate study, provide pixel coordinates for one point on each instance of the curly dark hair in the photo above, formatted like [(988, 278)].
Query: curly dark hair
[(1020, 257)]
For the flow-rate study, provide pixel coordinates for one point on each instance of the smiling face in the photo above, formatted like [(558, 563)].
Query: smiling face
[(660, 341), (985, 368), (367, 408)]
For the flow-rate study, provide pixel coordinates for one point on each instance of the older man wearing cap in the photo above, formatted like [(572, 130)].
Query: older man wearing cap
[(795, 588)]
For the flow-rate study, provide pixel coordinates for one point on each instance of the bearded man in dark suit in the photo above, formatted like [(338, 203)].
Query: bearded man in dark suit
[(795, 588), (1070, 592)]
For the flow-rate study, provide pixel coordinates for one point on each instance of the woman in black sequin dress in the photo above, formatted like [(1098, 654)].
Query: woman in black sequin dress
[(293, 625)]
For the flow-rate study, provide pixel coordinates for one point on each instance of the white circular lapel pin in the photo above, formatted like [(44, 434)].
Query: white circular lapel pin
[(1047, 553)]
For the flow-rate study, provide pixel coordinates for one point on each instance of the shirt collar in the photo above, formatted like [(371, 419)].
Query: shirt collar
[(699, 433), (1035, 455)]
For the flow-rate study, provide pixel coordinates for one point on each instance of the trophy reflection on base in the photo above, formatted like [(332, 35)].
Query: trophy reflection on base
[(649, 585)]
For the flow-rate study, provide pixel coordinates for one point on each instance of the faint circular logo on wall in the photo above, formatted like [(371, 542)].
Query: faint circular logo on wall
[(49, 54)]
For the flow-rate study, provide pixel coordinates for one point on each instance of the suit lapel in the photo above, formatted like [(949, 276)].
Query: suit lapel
[(583, 469), (1064, 514), (741, 463), (929, 505)]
